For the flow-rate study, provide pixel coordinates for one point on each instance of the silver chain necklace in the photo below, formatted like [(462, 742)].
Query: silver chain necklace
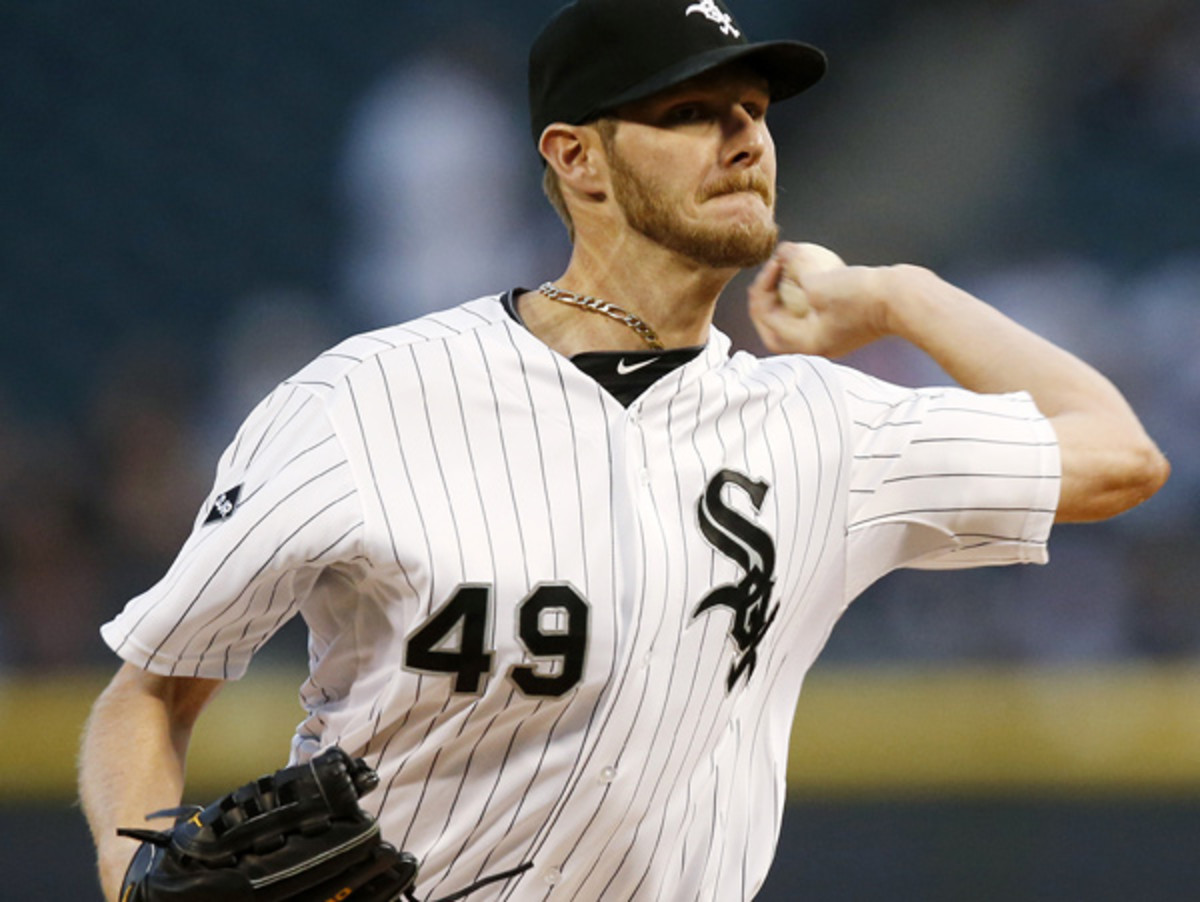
[(596, 305)]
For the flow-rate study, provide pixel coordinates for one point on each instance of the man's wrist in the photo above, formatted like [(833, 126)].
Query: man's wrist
[(913, 298)]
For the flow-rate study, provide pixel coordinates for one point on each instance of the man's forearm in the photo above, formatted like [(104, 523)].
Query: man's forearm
[(132, 759), (1109, 463)]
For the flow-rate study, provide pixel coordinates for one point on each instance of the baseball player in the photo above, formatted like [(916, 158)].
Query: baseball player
[(564, 559)]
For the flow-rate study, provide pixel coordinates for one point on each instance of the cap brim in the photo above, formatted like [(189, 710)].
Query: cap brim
[(789, 67)]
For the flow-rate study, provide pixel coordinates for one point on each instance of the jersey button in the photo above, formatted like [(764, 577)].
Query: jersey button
[(552, 876), (608, 774)]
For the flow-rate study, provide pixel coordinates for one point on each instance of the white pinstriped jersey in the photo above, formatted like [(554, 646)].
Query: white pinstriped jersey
[(566, 631)]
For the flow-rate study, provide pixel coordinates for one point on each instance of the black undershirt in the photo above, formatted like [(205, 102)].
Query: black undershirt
[(623, 374)]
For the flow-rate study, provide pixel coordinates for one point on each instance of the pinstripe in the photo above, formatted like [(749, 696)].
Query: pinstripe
[(798, 562), (660, 721), (583, 556), (533, 776), (275, 426), (422, 531), (914, 477), (515, 819), (513, 498), (711, 688), (692, 684), (632, 642), (376, 713), (190, 604), (487, 533), (969, 440), (580, 762), (661, 811), (573, 433), (226, 612), (456, 451), (443, 482), (433, 592), (946, 509), (541, 459), (485, 805), (505, 455), (535, 421), (534, 841), (423, 534), (791, 563), (890, 424), (826, 529), (975, 412), (377, 338)]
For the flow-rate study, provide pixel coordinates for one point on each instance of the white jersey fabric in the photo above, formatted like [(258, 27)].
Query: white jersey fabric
[(566, 631)]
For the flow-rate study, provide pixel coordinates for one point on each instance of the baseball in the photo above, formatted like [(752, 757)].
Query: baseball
[(808, 258), (793, 296)]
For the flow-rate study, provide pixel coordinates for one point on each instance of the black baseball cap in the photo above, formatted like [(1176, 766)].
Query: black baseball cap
[(595, 55)]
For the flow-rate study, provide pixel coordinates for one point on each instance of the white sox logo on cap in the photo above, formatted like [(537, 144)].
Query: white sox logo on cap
[(714, 13), (595, 56)]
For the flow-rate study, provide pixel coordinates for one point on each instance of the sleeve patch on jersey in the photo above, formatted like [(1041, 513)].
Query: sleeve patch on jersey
[(224, 505)]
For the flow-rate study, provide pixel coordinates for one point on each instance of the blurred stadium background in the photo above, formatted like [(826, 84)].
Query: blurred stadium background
[(198, 196)]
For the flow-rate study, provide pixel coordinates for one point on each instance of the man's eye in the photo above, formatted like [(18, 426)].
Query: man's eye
[(690, 112)]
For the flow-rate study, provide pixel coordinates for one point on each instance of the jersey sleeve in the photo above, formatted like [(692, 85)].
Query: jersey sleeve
[(945, 478), (284, 508)]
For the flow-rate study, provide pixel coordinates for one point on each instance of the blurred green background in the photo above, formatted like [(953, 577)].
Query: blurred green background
[(200, 196)]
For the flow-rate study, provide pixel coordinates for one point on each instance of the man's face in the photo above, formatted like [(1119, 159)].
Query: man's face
[(693, 169)]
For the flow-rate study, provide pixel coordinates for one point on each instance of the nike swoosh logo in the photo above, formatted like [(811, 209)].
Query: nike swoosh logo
[(624, 369)]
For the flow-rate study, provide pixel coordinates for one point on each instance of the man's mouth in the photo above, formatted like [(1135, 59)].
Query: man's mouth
[(742, 185)]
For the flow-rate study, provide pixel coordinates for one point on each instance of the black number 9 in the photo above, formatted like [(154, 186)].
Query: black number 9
[(552, 623)]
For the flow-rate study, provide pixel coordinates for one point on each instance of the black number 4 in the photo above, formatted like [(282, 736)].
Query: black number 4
[(552, 626)]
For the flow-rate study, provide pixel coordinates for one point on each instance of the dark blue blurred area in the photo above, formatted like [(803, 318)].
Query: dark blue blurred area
[(162, 159), (200, 196)]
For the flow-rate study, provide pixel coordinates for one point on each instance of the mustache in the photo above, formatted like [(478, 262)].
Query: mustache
[(742, 181)]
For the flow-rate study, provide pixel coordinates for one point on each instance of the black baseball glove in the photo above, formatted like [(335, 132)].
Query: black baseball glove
[(297, 835)]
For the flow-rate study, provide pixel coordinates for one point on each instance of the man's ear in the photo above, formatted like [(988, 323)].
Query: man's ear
[(576, 153)]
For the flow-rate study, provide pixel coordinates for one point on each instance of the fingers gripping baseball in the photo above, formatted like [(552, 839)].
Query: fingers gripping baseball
[(807, 300), (800, 263)]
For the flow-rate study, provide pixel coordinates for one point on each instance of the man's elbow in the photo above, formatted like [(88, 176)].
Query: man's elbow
[(1120, 481), (1157, 470), (1152, 472)]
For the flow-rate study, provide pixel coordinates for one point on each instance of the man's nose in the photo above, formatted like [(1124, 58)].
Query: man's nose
[(746, 139)]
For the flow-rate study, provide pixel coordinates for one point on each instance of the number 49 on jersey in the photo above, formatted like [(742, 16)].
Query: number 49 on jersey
[(552, 627)]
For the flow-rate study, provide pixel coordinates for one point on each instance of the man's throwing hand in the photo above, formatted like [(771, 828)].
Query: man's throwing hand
[(806, 300)]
